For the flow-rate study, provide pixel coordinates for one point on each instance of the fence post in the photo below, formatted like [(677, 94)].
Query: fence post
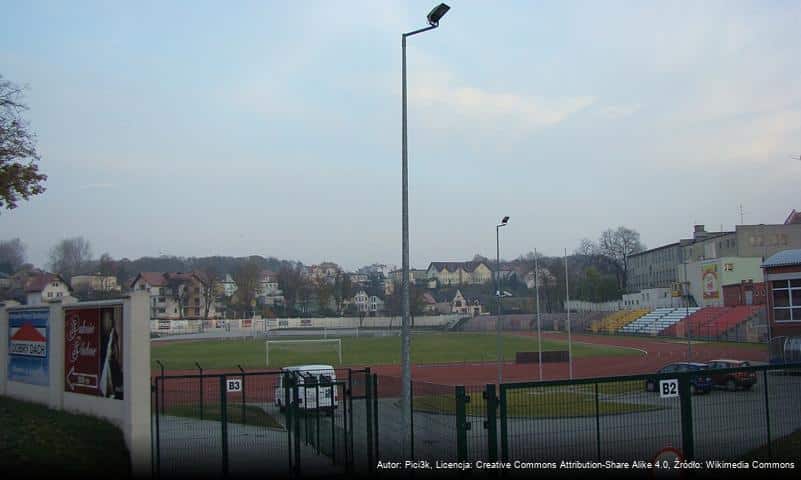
[(244, 417), (157, 454), (333, 423), (317, 414), (368, 390), (686, 402), (767, 412), (224, 422), (411, 416), (201, 389), (161, 365), (349, 406), (504, 426), (597, 424), (461, 424), (295, 412), (375, 414), (491, 425), (285, 381)]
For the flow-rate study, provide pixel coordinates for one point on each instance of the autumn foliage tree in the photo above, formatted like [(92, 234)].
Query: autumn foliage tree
[(19, 173)]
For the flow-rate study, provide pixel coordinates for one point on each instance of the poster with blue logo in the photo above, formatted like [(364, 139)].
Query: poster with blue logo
[(28, 346)]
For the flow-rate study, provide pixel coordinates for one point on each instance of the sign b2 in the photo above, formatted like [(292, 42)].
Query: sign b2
[(669, 388)]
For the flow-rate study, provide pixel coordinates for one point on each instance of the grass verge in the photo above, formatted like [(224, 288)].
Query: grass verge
[(40, 442), (527, 403)]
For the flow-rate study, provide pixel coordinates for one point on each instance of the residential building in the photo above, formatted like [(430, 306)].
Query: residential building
[(466, 306), (358, 278), (324, 272), (174, 295), (415, 275), (227, 285), (268, 293), (459, 273), (368, 304), (45, 287), (95, 283)]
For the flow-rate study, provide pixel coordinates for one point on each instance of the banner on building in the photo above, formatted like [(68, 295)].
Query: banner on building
[(29, 347), (709, 280), (93, 351)]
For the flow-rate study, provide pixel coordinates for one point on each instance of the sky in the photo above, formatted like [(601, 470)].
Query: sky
[(197, 128)]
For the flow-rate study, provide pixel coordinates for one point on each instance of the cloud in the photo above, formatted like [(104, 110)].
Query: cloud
[(614, 112), (97, 186)]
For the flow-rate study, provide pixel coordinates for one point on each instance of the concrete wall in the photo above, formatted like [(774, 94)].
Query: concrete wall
[(729, 270), (187, 326), (583, 306), (132, 413)]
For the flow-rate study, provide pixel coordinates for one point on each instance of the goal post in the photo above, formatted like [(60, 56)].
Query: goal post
[(309, 343)]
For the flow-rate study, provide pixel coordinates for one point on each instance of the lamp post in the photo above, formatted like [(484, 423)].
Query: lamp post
[(406, 372), (499, 293), (687, 312)]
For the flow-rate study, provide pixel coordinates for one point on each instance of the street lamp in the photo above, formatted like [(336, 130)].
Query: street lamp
[(406, 371), (499, 293)]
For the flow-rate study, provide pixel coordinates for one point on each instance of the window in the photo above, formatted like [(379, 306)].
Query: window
[(787, 300)]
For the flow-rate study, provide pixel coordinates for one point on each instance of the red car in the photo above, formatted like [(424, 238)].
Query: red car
[(732, 380)]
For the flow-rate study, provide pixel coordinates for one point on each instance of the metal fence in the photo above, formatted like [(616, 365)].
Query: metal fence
[(268, 422), (721, 414)]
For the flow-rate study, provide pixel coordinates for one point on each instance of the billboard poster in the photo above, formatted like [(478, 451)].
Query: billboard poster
[(709, 280), (28, 346), (93, 351)]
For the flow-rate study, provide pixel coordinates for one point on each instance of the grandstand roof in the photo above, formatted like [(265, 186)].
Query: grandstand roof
[(784, 258)]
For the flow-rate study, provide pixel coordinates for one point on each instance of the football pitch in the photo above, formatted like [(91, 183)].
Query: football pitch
[(427, 348)]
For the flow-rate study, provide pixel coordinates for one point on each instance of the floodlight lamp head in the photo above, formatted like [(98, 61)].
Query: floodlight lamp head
[(503, 223), (437, 13)]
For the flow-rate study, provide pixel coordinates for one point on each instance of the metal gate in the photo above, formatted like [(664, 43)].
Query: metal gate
[(288, 423)]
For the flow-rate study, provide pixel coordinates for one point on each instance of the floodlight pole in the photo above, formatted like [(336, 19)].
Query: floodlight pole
[(539, 325), (687, 313), (406, 369), (498, 338), (569, 335)]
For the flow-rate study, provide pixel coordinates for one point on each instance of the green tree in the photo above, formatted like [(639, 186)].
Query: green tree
[(19, 173)]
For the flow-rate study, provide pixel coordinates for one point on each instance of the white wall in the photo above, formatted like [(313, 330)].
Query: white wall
[(132, 414)]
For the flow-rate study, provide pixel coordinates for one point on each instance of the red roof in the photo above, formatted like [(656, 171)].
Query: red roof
[(38, 282), (154, 279), (28, 333)]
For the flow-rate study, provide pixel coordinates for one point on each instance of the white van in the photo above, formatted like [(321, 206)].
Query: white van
[(307, 376)]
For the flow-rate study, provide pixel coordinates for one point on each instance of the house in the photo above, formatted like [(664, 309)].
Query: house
[(227, 286), (368, 304), (358, 278), (324, 272), (415, 275), (429, 303), (45, 287), (459, 273), (174, 295), (93, 283), (466, 305), (268, 293)]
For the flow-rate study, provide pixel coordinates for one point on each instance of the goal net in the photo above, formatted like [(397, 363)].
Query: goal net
[(296, 352)]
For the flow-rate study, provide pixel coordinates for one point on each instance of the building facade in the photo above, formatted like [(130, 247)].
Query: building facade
[(459, 273), (45, 287), (783, 282)]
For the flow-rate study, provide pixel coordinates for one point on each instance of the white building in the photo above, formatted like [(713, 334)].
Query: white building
[(45, 287)]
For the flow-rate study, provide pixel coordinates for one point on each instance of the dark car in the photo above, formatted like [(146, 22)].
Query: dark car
[(731, 380), (698, 383)]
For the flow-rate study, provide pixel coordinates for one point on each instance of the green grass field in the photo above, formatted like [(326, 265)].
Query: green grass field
[(426, 348), (526, 403)]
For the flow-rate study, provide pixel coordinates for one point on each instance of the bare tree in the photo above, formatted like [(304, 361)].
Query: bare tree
[(69, 256), (19, 174), (12, 255), (209, 279), (179, 292), (618, 246), (247, 279)]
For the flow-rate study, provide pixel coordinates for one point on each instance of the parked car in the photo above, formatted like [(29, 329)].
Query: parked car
[(698, 383), (308, 377), (732, 380)]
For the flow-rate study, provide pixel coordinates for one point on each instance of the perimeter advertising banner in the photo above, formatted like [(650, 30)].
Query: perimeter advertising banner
[(709, 280), (28, 346), (93, 351)]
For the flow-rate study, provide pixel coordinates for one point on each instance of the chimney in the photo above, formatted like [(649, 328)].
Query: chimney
[(699, 232)]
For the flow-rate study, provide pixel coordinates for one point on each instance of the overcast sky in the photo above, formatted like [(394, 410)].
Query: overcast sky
[(273, 128)]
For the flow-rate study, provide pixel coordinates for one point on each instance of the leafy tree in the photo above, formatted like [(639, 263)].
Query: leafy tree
[(70, 256), (19, 173)]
